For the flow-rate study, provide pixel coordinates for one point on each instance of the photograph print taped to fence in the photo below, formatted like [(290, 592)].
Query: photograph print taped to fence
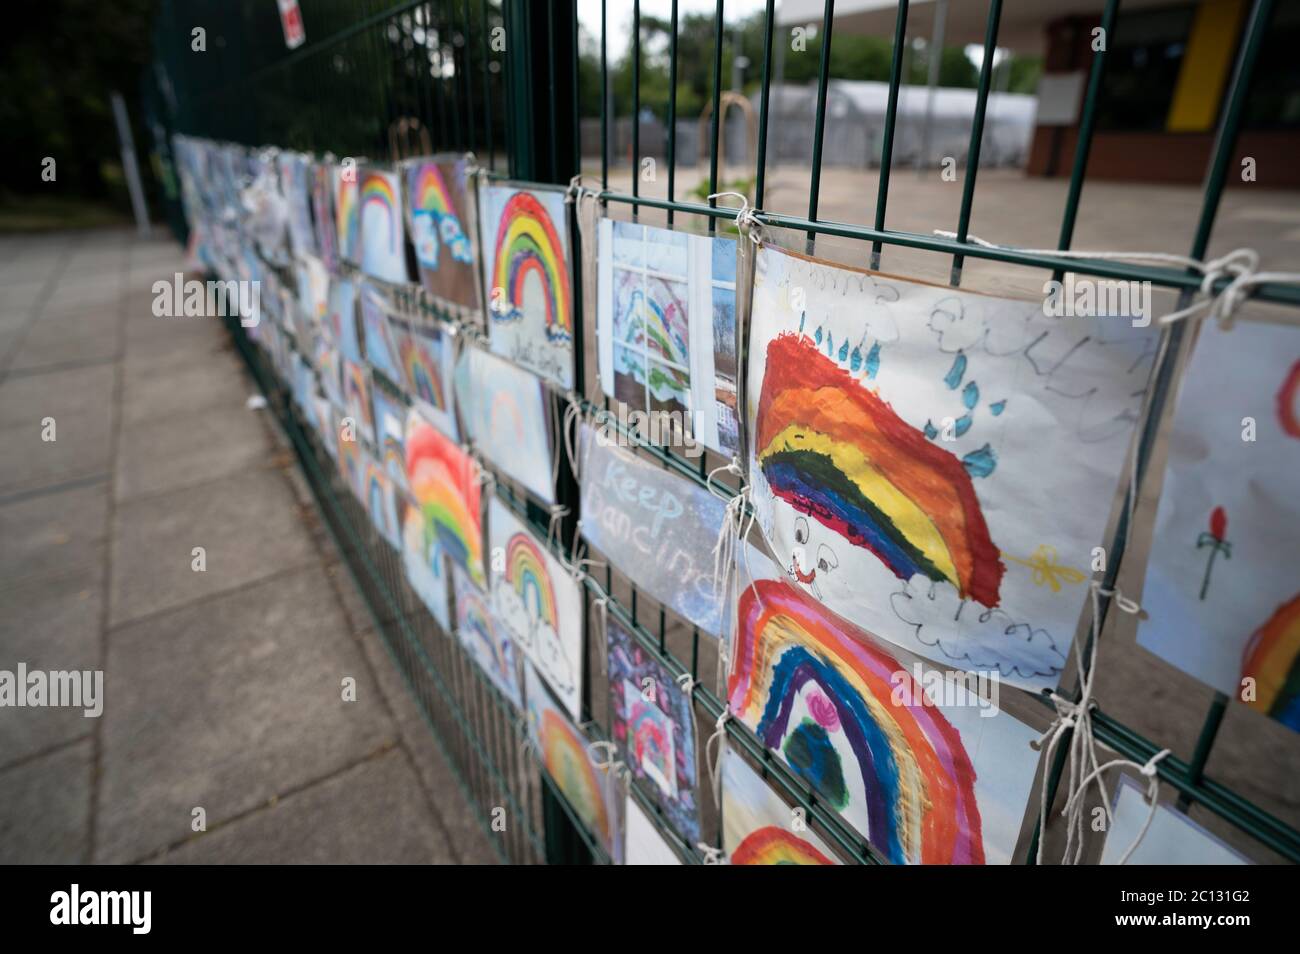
[(938, 466), (666, 327), (651, 524), (651, 722), (758, 828), (537, 603), (528, 292), (929, 769), (505, 415), (1222, 591), (437, 198)]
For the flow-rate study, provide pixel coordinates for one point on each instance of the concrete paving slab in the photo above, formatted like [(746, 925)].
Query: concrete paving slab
[(45, 808), (25, 399), (49, 533), (372, 813), (225, 704), (93, 335), (248, 528), (179, 388), (179, 450), (82, 447), (50, 622)]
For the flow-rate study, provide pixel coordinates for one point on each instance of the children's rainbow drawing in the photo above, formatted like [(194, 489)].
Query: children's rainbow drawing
[(378, 194), (423, 372), (432, 200), (347, 213), (776, 846), (444, 481), (526, 573), (563, 750), (825, 700), (380, 502), (1272, 659), (832, 449), (490, 645), (528, 245), (356, 398)]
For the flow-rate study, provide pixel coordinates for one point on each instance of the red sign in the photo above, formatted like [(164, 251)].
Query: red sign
[(295, 34)]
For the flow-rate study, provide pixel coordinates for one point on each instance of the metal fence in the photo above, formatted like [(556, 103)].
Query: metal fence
[(501, 79)]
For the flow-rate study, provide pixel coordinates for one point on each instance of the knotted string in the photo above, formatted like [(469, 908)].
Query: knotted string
[(610, 764), (1240, 267), (747, 222), (1074, 718), (712, 856), (558, 513)]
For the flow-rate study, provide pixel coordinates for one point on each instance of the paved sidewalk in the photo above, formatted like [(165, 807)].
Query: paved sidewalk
[(222, 687)]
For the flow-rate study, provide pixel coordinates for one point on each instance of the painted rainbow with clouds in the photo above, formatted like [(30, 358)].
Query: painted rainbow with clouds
[(837, 452), (527, 244), (377, 191), (772, 845)]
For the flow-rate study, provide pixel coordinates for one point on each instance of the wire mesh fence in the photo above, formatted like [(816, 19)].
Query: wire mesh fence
[(502, 80)]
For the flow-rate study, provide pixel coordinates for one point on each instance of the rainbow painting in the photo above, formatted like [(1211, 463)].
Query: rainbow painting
[(776, 846), (425, 359), (528, 287), (380, 501), (488, 644), (537, 603), (758, 828), (444, 481), (1272, 659), (829, 703), (835, 451), (347, 214), (383, 242), (444, 254), (356, 399), (562, 748), (526, 573)]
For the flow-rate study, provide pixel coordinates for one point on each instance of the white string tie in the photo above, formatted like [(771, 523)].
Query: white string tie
[(558, 513), (746, 217), (602, 641), (712, 856), (1240, 267)]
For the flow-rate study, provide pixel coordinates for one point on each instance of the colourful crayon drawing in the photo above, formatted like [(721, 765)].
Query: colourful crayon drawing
[(758, 828), (489, 644), (437, 222), (390, 433), (650, 739), (1272, 659), (528, 247), (424, 562), (538, 604), (383, 253), (444, 480), (528, 288), (563, 751), (896, 770), (347, 214), (382, 351), (838, 453)]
